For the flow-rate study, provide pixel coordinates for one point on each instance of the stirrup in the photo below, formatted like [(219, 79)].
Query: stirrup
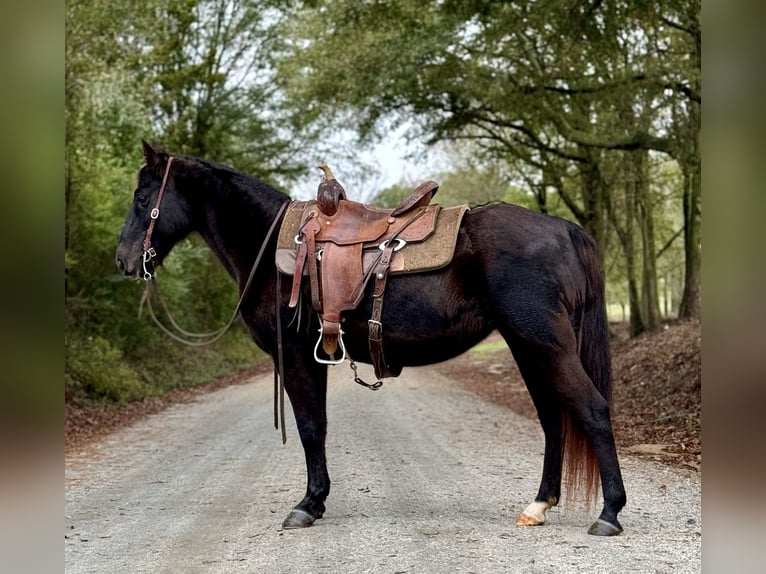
[(330, 361)]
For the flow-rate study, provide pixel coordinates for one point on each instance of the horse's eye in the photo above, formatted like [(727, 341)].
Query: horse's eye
[(142, 199)]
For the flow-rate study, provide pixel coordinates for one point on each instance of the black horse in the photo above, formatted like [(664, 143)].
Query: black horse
[(534, 278)]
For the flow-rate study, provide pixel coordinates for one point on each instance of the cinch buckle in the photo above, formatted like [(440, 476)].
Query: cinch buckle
[(330, 361)]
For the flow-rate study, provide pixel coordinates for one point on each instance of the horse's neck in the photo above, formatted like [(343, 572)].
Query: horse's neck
[(234, 223)]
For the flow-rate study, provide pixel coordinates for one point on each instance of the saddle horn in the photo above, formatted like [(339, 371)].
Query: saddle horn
[(329, 192)]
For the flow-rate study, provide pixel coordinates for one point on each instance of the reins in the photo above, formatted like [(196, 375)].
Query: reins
[(183, 336)]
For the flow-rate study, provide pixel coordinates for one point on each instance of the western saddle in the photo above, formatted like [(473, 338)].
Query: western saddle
[(343, 244)]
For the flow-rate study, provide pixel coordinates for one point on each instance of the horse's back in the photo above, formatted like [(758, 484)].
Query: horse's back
[(513, 229)]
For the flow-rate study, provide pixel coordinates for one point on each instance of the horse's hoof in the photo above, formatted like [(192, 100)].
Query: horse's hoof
[(525, 519), (298, 519), (534, 514), (604, 528)]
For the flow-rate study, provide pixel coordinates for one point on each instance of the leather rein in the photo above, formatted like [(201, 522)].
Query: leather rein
[(183, 336)]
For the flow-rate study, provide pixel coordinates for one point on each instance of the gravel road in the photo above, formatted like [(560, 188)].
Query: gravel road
[(427, 478)]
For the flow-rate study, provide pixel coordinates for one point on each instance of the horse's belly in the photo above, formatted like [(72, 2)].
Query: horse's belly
[(421, 339)]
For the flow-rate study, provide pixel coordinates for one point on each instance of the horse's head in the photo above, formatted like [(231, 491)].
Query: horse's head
[(159, 217)]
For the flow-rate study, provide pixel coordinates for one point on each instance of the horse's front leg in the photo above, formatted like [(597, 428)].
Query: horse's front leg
[(306, 385)]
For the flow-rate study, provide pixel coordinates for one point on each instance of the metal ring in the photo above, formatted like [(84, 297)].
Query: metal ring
[(399, 244), (155, 213), (319, 254), (297, 239), (148, 276)]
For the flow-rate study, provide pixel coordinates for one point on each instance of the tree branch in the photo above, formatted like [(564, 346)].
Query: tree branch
[(669, 243), (637, 140), (673, 24)]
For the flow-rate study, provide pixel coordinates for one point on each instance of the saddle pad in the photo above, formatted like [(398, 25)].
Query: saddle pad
[(290, 225), (433, 253)]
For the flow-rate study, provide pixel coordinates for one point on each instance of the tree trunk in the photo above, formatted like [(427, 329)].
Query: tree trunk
[(625, 234), (650, 304), (691, 300), (593, 191), (637, 325), (67, 205)]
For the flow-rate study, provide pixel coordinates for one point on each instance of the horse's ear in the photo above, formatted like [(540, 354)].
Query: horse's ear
[(154, 156)]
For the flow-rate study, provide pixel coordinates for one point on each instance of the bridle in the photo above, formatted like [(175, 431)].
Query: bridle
[(188, 338), (183, 336), (149, 252)]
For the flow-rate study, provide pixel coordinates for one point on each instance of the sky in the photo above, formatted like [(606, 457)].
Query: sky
[(391, 161)]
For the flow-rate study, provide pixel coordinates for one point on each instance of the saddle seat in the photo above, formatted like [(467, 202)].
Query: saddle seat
[(343, 243)]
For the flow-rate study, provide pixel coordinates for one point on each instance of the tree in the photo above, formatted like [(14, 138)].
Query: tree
[(196, 75), (561, 87)]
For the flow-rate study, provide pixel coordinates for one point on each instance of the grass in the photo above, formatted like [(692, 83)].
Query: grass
[(488, 348)]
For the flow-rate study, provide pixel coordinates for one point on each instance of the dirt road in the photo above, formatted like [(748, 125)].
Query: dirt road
[(427, 478)]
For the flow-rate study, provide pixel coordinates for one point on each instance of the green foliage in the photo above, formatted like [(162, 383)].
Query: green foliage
[(487, 349), (94, 368), (195, 75), (392, 196), (97, 369), (564, 95), (472, 185), (168, 365)]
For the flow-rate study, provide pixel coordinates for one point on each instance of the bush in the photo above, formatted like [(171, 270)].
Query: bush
[(169, 365), (96, 369)]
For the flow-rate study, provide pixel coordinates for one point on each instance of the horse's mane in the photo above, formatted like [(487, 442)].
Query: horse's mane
[(249, 184)]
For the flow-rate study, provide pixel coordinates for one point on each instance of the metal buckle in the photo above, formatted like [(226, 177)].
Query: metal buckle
[(330, 361), (370, 323), (399, 244)]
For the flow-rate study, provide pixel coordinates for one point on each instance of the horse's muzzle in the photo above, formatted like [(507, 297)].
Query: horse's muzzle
[(125, 266)]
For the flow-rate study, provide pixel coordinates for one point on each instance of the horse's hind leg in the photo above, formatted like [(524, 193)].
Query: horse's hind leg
[(590, 412), (549, 492), (558, 383)]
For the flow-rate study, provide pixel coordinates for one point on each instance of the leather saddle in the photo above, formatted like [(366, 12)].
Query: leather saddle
[(341, 245)]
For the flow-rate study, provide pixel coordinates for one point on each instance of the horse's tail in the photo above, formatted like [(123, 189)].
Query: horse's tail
[(592, 333)]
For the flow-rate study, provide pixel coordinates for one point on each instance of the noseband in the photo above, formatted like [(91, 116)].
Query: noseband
[(149, 252)]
